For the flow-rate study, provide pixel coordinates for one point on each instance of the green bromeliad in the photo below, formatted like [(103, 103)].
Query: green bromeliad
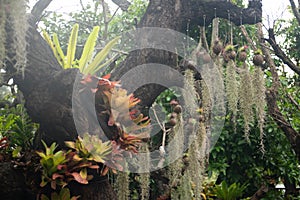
[(87, 64)]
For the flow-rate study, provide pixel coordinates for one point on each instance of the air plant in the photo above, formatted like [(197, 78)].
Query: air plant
[(258, 58), (242, 53)]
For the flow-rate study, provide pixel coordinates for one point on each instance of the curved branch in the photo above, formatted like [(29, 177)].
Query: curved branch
[(295, 11), (292, 135), (123, 4), (38, 9), (278, 52), (222, 9)]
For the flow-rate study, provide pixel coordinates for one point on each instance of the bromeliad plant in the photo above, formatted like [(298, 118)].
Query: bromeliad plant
[(232, 192), (64, 194), (90, 152), (59, 168), (87, 64)]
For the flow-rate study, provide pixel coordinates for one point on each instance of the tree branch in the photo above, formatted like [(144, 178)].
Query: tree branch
[(292, 135), (222, 9), (295, 11), (293, 101), (279, 53), (260, 193), (38, 9), (123, 4), (249, 40)]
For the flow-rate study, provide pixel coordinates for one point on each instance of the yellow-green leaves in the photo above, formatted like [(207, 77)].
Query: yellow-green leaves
[(59, 54), (72, 47), (86, 64), (100, 57), (88, 49)]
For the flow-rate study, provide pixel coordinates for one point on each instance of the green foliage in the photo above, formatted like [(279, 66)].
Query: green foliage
[(91, 148), (290, 32), (61, 167), (17, 127), (50, 162), (127, 20), (235, 160), (64, 194), (289, 101), (232, 192)]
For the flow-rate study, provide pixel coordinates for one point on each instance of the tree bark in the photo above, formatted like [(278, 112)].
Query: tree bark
[(178, 15)]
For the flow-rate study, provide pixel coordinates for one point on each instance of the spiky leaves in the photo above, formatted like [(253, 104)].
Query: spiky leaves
[(72, 47), (232, 88), (246, 99), (86, 64), (260, 101), (97, 62), (88, 48)]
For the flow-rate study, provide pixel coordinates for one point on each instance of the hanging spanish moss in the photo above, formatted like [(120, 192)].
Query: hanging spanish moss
[(196, 167), (260, 102), (232, 90), (246, 99), (176, 136), (122, 186), (18, 17), (15, 10), (186, 190), (2, 33), (144, 178), (189, 92)]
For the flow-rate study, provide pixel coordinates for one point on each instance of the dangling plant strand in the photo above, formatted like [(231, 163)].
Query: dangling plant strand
[(260, 102), (122, 186), (20, 25), (189, 93), (195, 168), (174, 169), (2, 33), (232, 90), (246, 99), (144, 178)]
